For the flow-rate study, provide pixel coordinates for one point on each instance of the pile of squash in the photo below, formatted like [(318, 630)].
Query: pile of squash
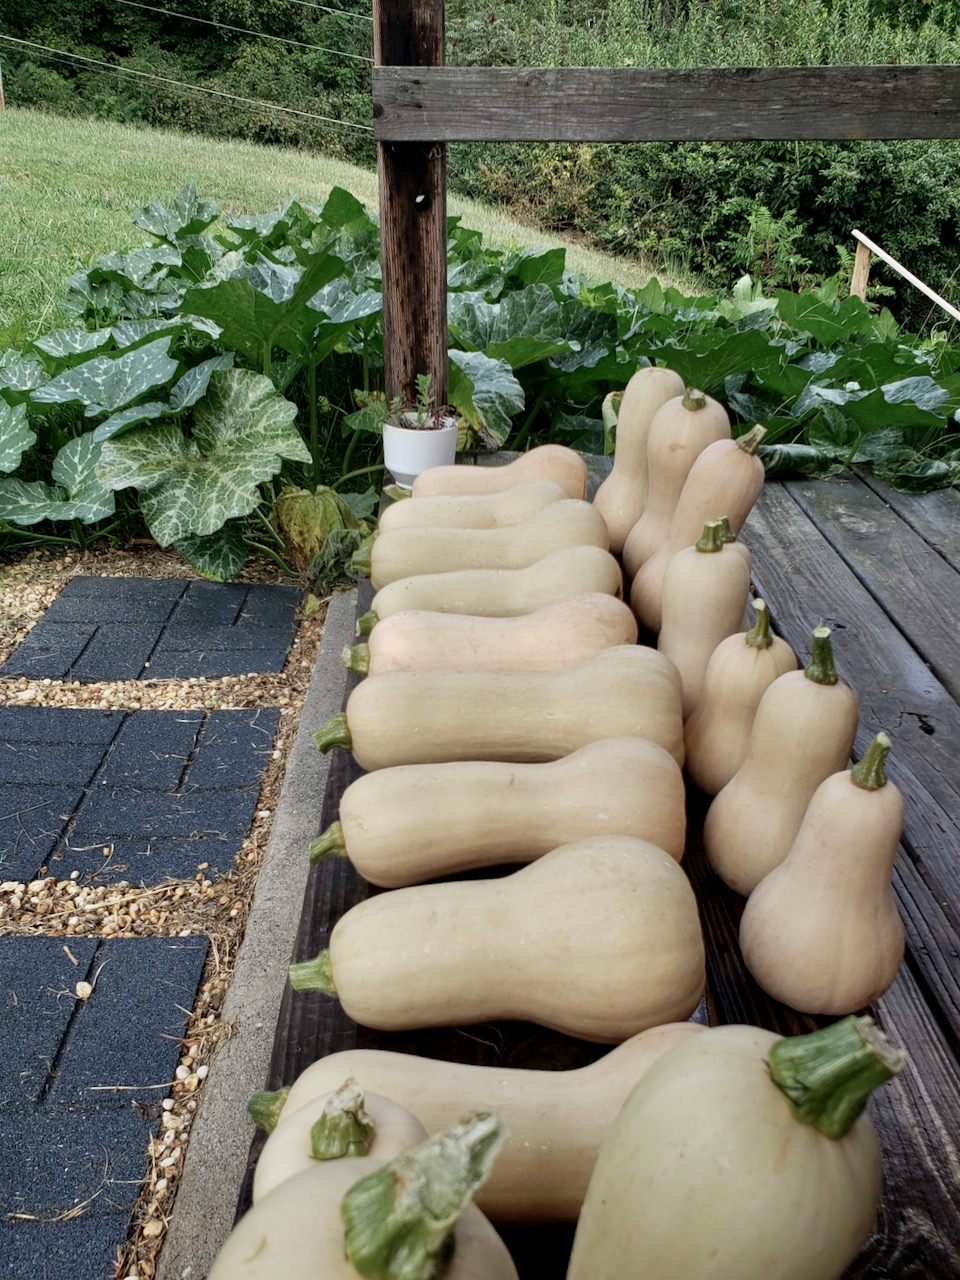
[(542, 672)]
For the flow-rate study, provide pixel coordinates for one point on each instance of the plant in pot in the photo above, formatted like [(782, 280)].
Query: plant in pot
[(416, 437)]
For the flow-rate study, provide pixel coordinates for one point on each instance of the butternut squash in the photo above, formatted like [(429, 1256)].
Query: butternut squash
[(599, 939), (552, 461), (725, 480), (415, 717), (343, 1122), (547, 639), (740, 1154), (503, 593), (476, 510), (741, 669), (555, 1119), (822, 931), (680, 431), (416, 822), (340, 1219), (705, 590), (405, 552), (621, 497), (802, 732)]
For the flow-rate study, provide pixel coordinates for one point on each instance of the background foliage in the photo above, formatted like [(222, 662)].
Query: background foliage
[(783, 212)]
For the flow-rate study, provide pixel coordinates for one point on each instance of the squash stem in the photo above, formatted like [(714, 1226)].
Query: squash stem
[(335, 733), (871, 771), (313, 975), (366, 622), (759, 636), (751, 440), (712, 537), (361, 558), (726, 529), (820, 669), (343, 1128), (356, 657), (264, 1108), (328, 844), (694, 399), (400, 1220), (828, 1076)]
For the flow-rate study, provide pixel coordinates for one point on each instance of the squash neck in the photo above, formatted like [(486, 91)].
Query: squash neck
[(828, 1076)]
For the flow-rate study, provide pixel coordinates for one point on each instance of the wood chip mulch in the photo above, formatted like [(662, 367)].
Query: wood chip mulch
[(216, 908)]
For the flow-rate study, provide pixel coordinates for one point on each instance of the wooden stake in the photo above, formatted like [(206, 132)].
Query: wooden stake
[(861, 272)]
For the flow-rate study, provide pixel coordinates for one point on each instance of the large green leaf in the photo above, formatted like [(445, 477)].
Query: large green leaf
[(66, 344), (485, 394), (188, 215), (219, 556), (76, 494), (108, 383), (18, 378), (191, 486), (15, 435)]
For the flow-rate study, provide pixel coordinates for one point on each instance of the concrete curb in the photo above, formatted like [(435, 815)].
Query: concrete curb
[(221, 1134)]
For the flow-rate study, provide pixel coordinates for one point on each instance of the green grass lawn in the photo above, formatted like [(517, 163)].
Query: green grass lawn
[(68, 187)]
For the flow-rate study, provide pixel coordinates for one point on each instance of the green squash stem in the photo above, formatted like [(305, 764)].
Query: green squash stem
[(751, 440), (335, 733), (871, 771), (328, 844), (726, 529), (820, 669), (712, 537), (759, 636), (264, 1108), (313, 975), (400, 1220), (694, 399), (360, 560), (343, 1128), (366, 622), (828, 1076), (356, 657)]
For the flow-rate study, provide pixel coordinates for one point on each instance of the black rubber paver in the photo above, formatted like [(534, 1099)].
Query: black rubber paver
[(138, 796), (81, 1083), (142, 628)]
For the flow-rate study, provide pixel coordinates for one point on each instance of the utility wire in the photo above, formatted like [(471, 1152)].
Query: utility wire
[(245, 31), (325, 8), (63, 56)]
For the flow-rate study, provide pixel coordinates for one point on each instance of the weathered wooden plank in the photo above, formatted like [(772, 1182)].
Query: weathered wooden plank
[(623, 104), (935, 516), (911, 581)]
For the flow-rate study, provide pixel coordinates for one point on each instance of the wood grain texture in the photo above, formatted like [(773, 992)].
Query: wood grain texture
[(624, 104)]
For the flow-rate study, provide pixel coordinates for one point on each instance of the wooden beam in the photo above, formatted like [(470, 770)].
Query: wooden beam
[(624, 104), (413, 215)]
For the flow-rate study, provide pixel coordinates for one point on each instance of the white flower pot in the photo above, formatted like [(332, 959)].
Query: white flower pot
[(409, 450)]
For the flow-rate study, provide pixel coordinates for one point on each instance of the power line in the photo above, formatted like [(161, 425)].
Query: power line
[(63, 56), (245, 31), (325, 8)]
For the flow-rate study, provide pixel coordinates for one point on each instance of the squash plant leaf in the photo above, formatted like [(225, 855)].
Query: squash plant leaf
[(485, 394), (19, 376), (65, 345), (108, 383), (15, 435), (76, 493), (191, 486), (127, 418), (219, 556), (188, 216)]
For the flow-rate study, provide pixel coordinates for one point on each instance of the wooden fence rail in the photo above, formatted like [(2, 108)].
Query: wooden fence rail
[(419, 105)]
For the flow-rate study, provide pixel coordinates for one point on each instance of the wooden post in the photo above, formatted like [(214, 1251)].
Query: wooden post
[(2, 103), (413, 213), (861, 272)]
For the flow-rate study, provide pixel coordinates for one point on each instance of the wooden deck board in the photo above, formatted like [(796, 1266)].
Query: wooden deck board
[(856, 555)]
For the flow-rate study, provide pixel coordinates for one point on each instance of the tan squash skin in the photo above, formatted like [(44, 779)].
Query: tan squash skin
[(678, 435), (822, 932), (548, 639), (621, 497), (286, 1151), (476, 510), (296, 1231), (552, 461), (415, 717), (704, 596), (716, 734), (723, 481), (401, 553), (599, 939), (419, 822), (505, 593), (802, 732), (556, 1119)]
